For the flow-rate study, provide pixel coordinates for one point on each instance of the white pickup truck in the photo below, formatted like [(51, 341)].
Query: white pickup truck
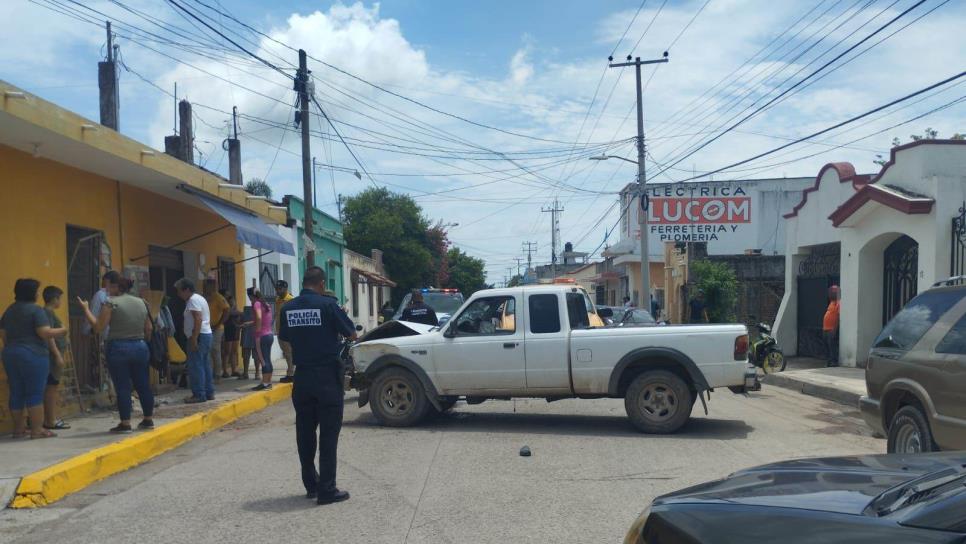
[(537, 341)]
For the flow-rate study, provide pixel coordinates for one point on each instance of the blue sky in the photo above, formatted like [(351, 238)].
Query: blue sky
[(525, 67)]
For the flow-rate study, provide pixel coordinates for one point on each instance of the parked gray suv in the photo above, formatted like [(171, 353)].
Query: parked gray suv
[(916, 375)]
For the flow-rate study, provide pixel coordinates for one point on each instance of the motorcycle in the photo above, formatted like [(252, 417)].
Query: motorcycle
[(765, 353)]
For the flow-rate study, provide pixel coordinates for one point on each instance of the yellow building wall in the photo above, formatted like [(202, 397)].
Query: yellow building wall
[(43, 197)]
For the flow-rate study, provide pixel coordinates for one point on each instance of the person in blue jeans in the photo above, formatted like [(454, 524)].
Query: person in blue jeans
[(197, 327), (128, 322), (25, 332)]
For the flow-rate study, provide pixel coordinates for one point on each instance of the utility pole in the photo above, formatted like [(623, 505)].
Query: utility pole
[(554, 212), (645, 287), (302, 86), (529, 248), (519, 261), (234, 150), (107, 84)]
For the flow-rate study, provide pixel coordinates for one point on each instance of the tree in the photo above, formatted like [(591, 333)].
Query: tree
[(439, 246), (720, 287), (466, 273), (379, 219), (258, 187), (515, 281), (929, 134)]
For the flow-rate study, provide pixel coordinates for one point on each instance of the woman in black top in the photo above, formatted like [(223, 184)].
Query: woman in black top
[(25, 331)]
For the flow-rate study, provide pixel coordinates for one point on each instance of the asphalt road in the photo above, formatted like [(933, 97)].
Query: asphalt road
[(457, 479)]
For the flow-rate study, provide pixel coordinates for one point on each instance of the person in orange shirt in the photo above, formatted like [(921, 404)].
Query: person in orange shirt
[(830, 326)]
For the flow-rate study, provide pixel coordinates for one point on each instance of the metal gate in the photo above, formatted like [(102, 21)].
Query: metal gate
[(899, 275), (957, 251), (816, 273)]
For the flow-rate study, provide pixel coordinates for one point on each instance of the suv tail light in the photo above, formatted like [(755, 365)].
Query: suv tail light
[(741, 347)]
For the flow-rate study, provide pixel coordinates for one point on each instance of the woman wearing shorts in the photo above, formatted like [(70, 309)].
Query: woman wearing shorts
[(229, 352), (264, 338)]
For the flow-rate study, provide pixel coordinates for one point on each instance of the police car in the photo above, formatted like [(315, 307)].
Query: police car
[(443, 301)]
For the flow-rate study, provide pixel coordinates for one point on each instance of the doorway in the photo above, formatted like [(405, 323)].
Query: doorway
[(900, 274), (165, 267), (816, 273)]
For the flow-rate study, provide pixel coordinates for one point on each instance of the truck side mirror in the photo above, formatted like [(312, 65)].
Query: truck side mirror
[(450, 331), (605, 313)]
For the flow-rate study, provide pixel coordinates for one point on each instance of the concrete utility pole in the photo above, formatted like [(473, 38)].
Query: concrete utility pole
[(107, 85), (187, 132), (302, 86), (519, 263), (234, 150), (554, 212), (645, 288)]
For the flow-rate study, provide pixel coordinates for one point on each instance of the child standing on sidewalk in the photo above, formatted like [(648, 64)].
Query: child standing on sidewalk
[(57, 348)]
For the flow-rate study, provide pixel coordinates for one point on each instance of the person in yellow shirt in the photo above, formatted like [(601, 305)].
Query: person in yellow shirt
[(283, 296), (218, 308)]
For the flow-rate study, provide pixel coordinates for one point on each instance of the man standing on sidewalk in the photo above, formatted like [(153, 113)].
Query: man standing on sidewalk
[(281, 297), (830, 326), (218, 307), (197, 327), (313, 323)]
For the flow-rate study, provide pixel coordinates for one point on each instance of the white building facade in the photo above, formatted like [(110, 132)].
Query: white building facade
[(367, 287), (730, 216), (263, 268), (881, 238)]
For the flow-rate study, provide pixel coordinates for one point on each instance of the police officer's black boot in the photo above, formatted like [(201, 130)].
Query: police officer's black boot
[(336, 496)]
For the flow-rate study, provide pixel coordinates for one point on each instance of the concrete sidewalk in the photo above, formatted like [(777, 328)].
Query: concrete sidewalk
[(89, 432), (811, 377)]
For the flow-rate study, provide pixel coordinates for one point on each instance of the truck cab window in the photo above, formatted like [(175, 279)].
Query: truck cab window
[(544, 314), (487, 316), (577, 310)]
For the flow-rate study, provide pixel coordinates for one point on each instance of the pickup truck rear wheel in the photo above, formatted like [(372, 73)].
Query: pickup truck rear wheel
[(397, 398), (658, 402)]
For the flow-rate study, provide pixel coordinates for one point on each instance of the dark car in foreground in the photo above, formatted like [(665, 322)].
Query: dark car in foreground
[(917, 498), (916, 373)]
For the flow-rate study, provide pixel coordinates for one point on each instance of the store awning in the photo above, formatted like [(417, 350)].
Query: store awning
[(249, 228), (372, 278)]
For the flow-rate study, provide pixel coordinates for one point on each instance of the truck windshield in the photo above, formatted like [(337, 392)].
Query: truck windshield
[(441, 303)]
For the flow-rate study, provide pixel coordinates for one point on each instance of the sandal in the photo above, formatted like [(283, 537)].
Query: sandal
[(45, 434), (59, 425)]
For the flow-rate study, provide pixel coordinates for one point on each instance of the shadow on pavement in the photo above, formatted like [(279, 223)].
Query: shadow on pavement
[(279, 505), (698, 428)]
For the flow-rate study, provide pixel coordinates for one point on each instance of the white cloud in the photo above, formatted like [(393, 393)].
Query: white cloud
[(547, 99)]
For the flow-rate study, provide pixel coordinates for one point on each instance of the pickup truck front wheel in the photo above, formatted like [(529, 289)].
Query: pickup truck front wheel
[(397, 398), (658, 402)]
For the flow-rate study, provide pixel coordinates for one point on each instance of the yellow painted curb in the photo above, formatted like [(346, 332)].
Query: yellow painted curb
[(57, 481)]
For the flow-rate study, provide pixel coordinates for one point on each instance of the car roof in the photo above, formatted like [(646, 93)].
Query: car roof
[(546, 288)]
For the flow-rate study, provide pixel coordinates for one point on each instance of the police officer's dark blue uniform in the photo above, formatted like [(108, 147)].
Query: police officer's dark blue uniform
[(313, 323)]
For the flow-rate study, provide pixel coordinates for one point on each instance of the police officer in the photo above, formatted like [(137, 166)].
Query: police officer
[(419, 312), (313, 323)]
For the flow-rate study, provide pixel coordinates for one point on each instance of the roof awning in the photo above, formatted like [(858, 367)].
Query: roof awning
[(249, 228), (372, 278)]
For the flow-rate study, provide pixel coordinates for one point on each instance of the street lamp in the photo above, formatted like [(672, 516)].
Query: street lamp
[(642, 221), (605, 157)]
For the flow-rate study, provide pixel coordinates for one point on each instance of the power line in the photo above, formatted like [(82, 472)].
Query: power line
[(800, 82), (833, 127)]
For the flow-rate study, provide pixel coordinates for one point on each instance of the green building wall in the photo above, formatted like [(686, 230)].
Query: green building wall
[(329, 243)]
